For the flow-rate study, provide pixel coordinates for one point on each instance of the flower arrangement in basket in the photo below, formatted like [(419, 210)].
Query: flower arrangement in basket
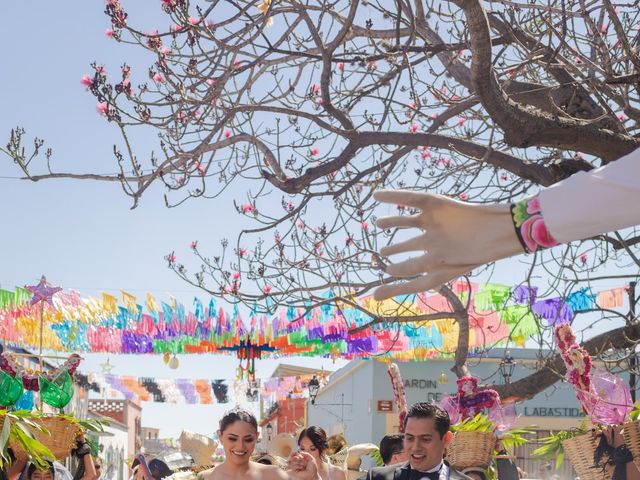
[(606, 451), (478, 418)]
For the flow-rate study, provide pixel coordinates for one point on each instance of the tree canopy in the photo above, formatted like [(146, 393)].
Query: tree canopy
[(304, 108)]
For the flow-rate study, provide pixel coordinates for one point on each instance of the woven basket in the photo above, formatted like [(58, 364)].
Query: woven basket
[(60, 437), (471, 449), (631, 433), (579, 450)]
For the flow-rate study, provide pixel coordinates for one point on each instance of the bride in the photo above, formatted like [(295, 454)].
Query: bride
[(238, 434)]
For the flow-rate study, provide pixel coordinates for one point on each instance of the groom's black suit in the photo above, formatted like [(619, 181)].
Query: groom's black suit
[(402, 471)]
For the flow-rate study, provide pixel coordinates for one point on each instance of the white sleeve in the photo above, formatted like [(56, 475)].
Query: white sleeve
[(595, 202)]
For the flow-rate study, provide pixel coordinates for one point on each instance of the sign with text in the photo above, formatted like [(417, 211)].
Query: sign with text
[(385, 406)]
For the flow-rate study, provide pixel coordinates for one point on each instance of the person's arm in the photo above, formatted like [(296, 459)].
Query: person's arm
[(87, 468), (458, 237)]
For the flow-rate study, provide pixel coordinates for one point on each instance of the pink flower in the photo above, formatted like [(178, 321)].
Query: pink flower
[(583, 258), (158, 78), (340, 66), (534, 233), (200, 168), (211, 82), (209, 23), (425, 155), (622, 117), (315, 88), (372, 65), (108, 33), (413, 105), (301, 224), (246, 208), (447, 162), (434, 116), (267, 289), (171, 258), (533, 206), (319, 101), (314, 151), (236, 275), (237, 63), (194, 21), (461, 121), (175, 28), (193, 245), (503, 177), (242, 252), (86, 80), (604, 29), (365, 226), (227, 133), (103, 108), (463, 196), (166, 50), (414, 128)]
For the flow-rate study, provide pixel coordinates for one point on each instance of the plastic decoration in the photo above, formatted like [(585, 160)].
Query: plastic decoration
[(31, 379), (10, 389), (604, 397), (26, 401), (58, 391), (398, 393)]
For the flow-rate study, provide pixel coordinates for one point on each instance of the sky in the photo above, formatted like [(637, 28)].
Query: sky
[(83, 235)]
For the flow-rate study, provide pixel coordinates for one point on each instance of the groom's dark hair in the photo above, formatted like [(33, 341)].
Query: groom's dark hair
[(429, 410)]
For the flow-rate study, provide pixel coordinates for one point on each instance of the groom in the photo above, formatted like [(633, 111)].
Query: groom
[(426, 436)]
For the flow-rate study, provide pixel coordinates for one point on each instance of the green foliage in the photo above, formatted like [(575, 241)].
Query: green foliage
[(515, 437), (552, 445), (376, 457), (17, 427), (635, 413), (479, 423)]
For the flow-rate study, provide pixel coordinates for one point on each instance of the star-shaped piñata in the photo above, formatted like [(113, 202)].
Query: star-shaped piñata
[(42, 292)]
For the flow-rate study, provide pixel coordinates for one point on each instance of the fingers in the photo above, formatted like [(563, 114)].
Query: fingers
[(411, 266), (400, 221), (431, 281), (415, 243), (404, 197)]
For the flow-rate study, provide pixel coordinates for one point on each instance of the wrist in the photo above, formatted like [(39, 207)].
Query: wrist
[(529, 225)]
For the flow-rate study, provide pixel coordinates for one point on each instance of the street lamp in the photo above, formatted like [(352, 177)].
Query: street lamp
[(314, 386), (506, 367), (269, 429)]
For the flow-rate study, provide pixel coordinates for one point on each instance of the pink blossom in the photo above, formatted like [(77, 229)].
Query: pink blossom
[(290, 205), (158, 78), (181, 117), (534, 233), (413, 105), (211, 82), (237, 63), (604, 28), (372, 65), (461, 121), (236, 275), (463, 196), (108, 33), (227, 133), (425, 155), (171, 258), (209, 23), (503, 177), (622, 117), (267, 289), (319, 101), (166, 50), (247, 208), (533, 205), (102, 108), (447, 162), (314, 151), (100, 70), (434, 116), (414, 128), (583, 258), (315, 88), (340, 66), (175, 28), (200, 168), (301, 224), (193, 245), (194, 21), (242, 252), (365, 226), (86, 80)]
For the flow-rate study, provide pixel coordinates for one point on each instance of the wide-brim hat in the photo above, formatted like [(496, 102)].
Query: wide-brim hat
[(199, 446), (282, 445)]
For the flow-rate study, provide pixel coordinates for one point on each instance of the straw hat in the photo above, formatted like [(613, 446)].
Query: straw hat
[(200, 447), (282, 445), (270, 459), (356, 452)]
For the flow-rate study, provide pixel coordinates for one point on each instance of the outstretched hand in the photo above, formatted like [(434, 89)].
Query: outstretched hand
[(302, 466), (456, 238)]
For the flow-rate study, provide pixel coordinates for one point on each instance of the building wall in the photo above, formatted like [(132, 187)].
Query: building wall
[(114, 452)]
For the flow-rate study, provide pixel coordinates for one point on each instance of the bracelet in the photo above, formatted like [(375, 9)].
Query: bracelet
[(531, 230)]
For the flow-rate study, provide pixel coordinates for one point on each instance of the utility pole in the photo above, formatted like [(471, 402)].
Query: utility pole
[(633, 359)]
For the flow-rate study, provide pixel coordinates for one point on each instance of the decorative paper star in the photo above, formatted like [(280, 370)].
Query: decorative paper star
[(106, 367), (42, 292)]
